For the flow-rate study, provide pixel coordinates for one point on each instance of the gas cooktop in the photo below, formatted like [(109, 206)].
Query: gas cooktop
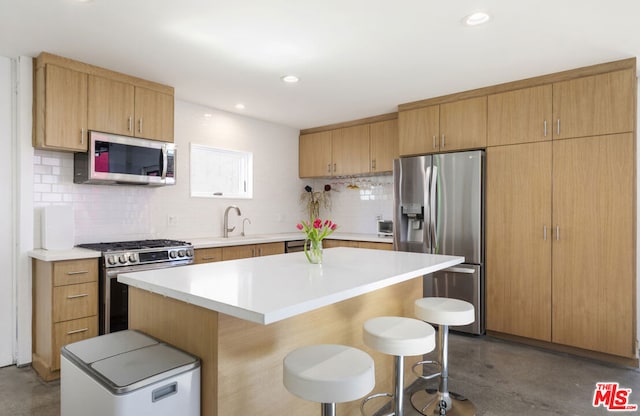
[(134, 245)]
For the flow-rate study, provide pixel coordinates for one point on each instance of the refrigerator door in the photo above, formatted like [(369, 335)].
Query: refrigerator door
[(411, 204), (458, 205), (460, 282)]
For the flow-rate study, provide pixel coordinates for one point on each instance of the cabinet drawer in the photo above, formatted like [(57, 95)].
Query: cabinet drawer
[(75, 301), (75, 271), (71, 331), (208, 255)]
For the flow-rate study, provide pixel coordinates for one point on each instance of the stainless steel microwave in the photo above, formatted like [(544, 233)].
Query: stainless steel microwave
[(114, 160)]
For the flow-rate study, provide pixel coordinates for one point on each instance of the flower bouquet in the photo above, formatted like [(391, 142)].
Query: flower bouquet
[(315, 232)]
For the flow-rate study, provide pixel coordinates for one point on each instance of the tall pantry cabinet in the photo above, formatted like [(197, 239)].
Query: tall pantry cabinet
[(561, 212)]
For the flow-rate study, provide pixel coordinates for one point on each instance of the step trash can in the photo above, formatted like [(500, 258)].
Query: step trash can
[(128, 373)]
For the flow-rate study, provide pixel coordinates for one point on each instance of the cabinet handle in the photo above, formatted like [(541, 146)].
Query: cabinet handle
[(259, 252), (558, 127), (140, 125), (78, 272), (328, 167), (545, 128), (435, 143), (557, 233), (82, 135), (130, 124), (443, 141), (544, 233), (253, 252), (209, 258), (373, 164), (82, 295), (77, 331), (334, 167)]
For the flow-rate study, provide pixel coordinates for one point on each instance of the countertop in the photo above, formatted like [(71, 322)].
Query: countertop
[(272, 288), (78, 253)]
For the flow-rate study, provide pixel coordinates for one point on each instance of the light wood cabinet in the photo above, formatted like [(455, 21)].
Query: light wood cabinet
[(60, 121), (518, 240), (520, 116), (565, 276), (594, 105), (65, 309), (329, 243), (354, 150), (252, 250), (383, 145), (594, 244), (72, 97), (458, 125), (207, 255)]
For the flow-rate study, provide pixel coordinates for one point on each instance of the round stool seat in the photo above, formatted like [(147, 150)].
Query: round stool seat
[(399, 336), (328, 373), (445, 311)]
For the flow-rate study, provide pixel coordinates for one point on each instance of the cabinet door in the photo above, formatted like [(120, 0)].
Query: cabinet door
[(350, 150), (208, 255), (463, 124), (65, 109), (518, 267), (375, 246), (521, 116), (238, 252), (339, 243), (110, 106), (589, 106), (384, 145), (315, 155), (418, 130), (267, 249), (153, 115), (593, 253)]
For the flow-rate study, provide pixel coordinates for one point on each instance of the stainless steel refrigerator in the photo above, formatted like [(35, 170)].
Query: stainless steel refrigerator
[(439, 209)]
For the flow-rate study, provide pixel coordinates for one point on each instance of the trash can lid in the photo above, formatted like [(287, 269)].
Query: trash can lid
[(98, 348)]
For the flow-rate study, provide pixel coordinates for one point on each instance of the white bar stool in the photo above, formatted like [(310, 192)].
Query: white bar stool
[(399, 337), (443, 312), (328, 374)]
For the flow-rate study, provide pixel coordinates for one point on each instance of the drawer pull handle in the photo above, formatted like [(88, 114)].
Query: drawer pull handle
[(78, 272), (209, 258), (82, 295), (77, 331)]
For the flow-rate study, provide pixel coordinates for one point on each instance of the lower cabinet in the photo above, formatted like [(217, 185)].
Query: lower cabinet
[(357, 244), (252, 250), (65, 310), (561, 242), (207, 255)]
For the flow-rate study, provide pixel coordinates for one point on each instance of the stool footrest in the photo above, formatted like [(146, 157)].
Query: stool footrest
[(371, 397), (422, 364)]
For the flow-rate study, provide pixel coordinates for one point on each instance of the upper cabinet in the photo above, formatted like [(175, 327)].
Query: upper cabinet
[(520, 116), (594, 105), (355, 150), (446, 127), (72, 97), (61, 109)]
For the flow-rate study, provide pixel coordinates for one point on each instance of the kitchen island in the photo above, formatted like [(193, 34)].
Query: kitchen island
[(242, 317)]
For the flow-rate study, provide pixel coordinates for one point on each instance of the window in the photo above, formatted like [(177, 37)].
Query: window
[(221, 173)]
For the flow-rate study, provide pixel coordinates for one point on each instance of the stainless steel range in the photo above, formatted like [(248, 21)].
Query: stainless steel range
[(131, 256)]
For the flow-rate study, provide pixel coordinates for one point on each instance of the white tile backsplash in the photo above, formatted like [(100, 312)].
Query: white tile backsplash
[(112, 213)]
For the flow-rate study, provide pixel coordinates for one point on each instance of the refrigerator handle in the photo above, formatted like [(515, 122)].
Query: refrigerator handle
[(464, 270), (432, 207)]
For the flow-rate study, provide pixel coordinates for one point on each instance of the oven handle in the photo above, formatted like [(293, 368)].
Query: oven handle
[(114, 272), (165, 161)]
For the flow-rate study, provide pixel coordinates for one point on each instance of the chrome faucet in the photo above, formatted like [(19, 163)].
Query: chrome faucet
[(226, 220), (244, 221)]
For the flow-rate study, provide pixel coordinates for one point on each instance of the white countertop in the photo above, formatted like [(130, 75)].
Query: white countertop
[(210, 242), (75, 253), (272, 288)]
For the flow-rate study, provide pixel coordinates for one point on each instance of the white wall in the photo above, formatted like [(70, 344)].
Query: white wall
[(7, 312)]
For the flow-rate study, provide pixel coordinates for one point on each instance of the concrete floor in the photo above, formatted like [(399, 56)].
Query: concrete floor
[(500, 378)]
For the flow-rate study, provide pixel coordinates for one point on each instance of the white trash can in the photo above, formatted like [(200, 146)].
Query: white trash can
[(128, 373)]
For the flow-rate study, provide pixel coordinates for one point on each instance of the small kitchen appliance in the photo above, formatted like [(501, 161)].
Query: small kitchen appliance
[(127, 257)]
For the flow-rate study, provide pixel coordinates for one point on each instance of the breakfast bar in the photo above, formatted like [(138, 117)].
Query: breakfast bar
[(241, 317)]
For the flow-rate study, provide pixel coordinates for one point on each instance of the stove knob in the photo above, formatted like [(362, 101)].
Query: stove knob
[(181, 253), (132, 258), (173, 254), (122, 259), (111, 260), (189, 252)]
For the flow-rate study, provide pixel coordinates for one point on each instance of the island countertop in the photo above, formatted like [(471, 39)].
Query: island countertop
[(269, 289)]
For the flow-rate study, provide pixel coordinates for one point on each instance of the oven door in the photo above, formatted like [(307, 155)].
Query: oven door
[(114, 299)]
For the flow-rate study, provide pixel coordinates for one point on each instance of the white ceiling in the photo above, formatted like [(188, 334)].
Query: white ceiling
[(355, 58)]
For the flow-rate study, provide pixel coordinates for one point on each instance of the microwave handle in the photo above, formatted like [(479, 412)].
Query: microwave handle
[(165, 161)]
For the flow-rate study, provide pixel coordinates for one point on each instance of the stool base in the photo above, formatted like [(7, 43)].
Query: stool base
[(426, 402)]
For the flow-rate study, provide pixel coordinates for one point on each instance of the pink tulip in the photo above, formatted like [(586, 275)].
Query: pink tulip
[(299, 227), (334, 226), (317, 223)]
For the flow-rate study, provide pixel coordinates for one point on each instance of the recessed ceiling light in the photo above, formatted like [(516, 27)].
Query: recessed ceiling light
[(240, 106), (208, 115), (290, 79), (476, 19)]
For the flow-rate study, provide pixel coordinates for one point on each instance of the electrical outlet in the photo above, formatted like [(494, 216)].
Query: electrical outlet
[(172, 220)]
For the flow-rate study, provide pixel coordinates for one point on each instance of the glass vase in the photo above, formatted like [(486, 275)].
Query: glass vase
[(313, 251)]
